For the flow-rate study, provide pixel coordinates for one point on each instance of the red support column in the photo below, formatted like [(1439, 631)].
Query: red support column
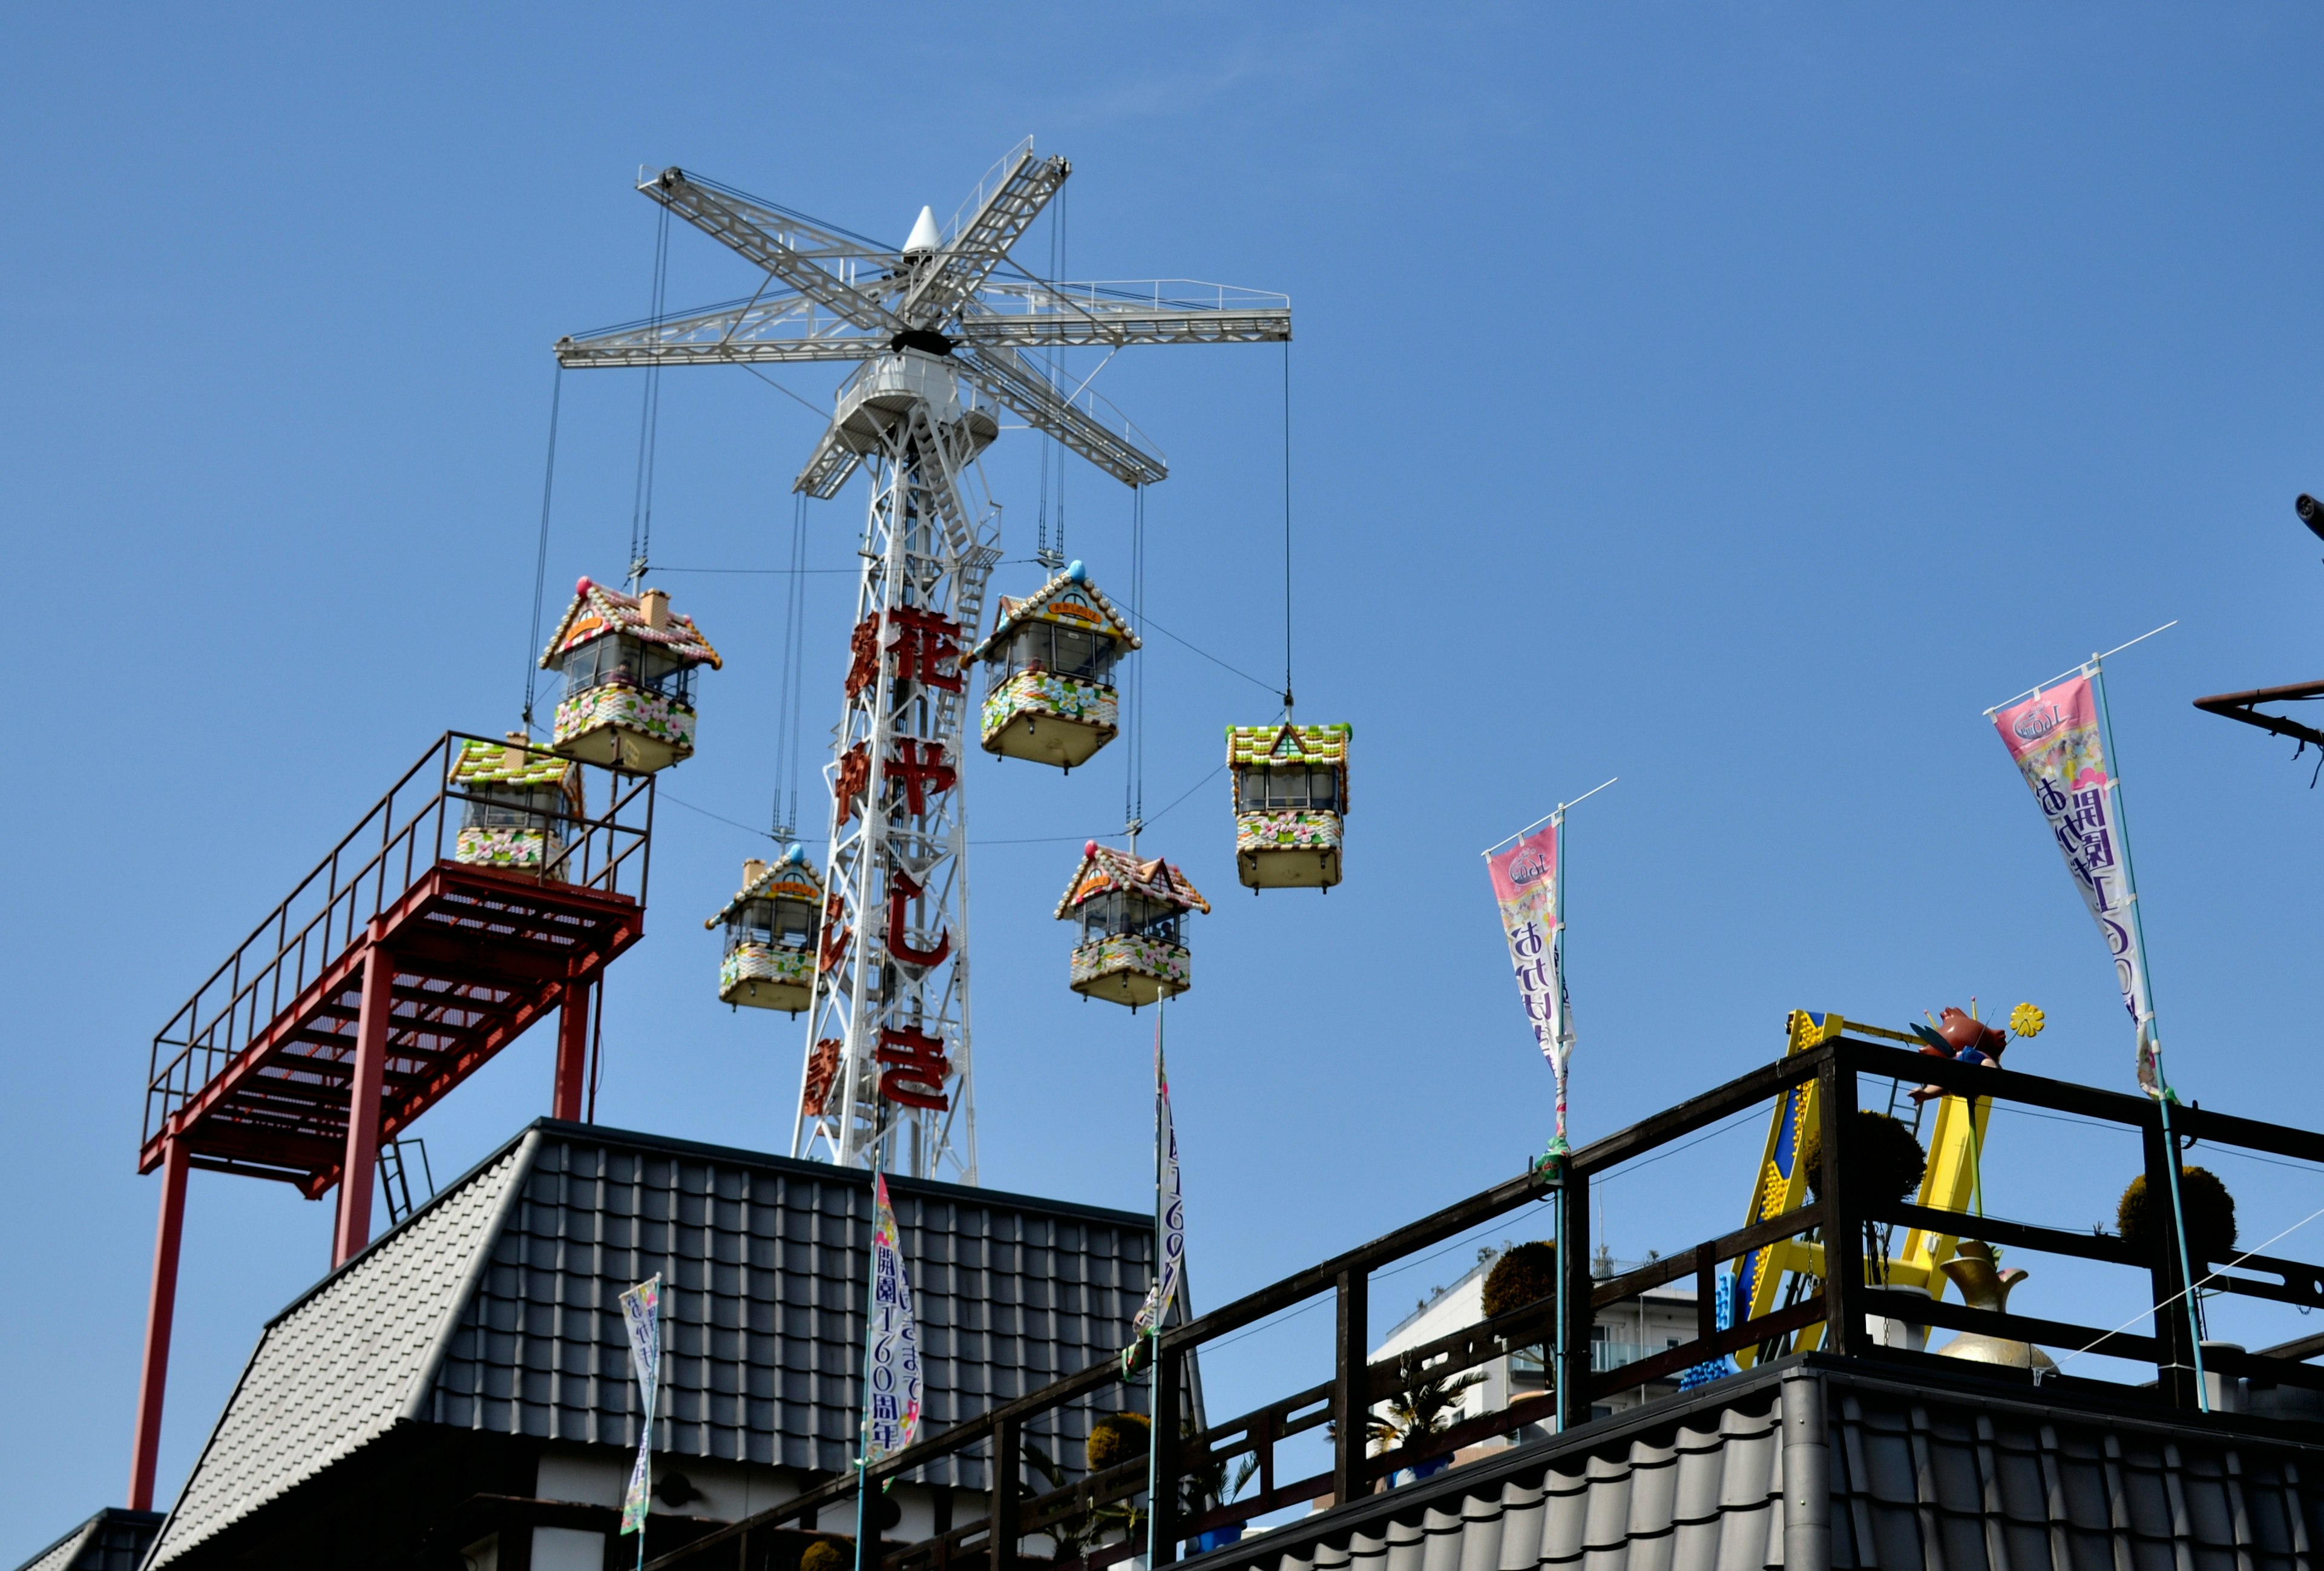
[(160, 1307), (572, 1053), (358, 1171)]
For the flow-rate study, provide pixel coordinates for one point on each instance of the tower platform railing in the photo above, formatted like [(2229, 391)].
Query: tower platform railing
[(404, 837)]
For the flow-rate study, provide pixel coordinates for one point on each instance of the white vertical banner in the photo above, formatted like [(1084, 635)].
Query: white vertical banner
[(892, 1397), (642, 1315), (1170, 1206), (1526, 886), (2057, 738)]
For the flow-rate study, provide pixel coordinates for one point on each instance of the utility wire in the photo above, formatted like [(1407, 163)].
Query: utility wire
[(2174, 1297), (541, 551), (1144, 622), (758, 572)]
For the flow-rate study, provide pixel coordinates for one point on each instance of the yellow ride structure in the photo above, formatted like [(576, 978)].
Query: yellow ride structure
[(1949, 1183)]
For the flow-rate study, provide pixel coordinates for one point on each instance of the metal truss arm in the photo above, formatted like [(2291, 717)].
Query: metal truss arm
[(978, 246), (1031, 313), (788, 328), (1000, 371), (785, 247)]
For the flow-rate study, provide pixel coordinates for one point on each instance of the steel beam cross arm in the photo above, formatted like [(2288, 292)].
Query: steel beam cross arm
[(948, 282), (1033, 314), (1000, 371), (789, 248), (787, 328)]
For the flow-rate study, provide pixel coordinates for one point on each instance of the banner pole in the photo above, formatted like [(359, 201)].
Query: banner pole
[(871, 1330), (1565, 1037), (1557, 1356), (2150, 1035)]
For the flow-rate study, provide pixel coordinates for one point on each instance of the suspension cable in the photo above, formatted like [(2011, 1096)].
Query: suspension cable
[(1287, 530), (1133, 796), (648, 423), (541, 551), (1053, 453), (788, 706)]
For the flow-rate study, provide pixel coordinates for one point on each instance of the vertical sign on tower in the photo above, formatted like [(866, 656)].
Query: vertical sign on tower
[(890, 1019)]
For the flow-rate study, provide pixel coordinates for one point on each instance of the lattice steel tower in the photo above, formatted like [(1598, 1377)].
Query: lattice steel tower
[(941, 328)]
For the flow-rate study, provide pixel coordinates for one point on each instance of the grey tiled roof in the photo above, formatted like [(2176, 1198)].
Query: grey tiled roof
[(1706, 1497), (1919, 1480), (336, 1371), (1945, 1475), (495, 1308), (114, 1540)]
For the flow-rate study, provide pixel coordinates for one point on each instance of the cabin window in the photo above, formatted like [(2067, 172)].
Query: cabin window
[(513, 807), (1069, 651), (624, 661), (1262, 790), (794, 924), (1116, 912)]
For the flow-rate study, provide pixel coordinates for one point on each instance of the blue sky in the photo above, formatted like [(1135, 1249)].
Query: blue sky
[(1735, 397)]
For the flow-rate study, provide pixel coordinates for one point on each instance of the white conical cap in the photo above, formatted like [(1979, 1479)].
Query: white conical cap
[(925, 237)]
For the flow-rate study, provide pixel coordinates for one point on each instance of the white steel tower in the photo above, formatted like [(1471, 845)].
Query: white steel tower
[(941, 328)]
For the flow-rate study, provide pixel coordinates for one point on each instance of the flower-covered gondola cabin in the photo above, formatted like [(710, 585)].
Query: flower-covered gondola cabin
[(771, 932), (521, 807), (1048, 684), (1132, 914), (628, 662), (1290, 798)]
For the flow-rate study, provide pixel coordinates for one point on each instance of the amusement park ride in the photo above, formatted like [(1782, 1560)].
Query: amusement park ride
[(947, 334), (498, 878)]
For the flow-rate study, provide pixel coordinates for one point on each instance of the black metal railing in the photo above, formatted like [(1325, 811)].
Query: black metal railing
[(397, 842), (1191, 1463)]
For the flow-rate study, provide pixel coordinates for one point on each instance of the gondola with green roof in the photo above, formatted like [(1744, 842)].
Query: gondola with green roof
[(1290, 803), (521, 807)]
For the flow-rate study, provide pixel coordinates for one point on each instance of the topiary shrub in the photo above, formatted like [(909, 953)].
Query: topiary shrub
[(1889, 1160), (2210, 1215), (1525, 1275), (1116, 1438), (828, 1555)]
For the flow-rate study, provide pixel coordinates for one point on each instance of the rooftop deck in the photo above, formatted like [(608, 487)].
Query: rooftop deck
[(1837, 1318)]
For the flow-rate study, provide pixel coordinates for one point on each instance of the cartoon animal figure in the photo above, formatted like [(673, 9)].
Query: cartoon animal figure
[(1961, 1036)]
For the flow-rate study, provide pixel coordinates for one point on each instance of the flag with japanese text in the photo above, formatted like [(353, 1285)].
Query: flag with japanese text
[(2058, 745), (641, 1313), (1169, 1207), (892, 1404), (1524, 883)]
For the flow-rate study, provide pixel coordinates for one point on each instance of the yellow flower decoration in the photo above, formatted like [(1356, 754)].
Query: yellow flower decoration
[(2026, 1021)]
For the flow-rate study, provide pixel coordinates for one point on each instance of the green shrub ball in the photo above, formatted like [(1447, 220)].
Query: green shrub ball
[(2210, 1214), (1525, 1275), (827, 1554), (1116, 1438), (1889, 1160)]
